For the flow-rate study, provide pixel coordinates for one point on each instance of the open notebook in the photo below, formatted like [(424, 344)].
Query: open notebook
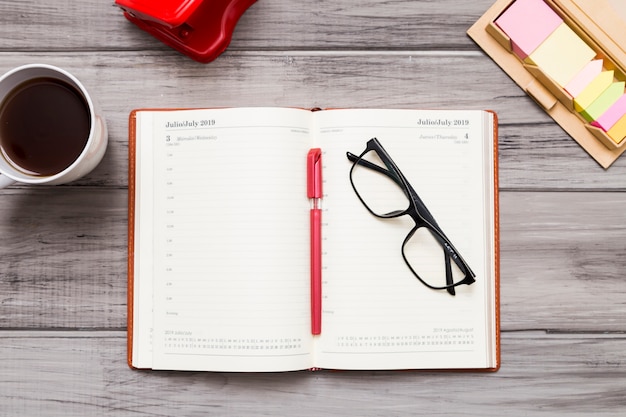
[(219, 245)]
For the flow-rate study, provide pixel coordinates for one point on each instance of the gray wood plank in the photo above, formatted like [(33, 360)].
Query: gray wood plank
[(96, 25), (63, 262), (63, 249), (535, 153), (560, 251), (84, 373)]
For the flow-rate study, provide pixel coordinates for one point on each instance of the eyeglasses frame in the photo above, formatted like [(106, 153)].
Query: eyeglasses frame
[(417, 210)]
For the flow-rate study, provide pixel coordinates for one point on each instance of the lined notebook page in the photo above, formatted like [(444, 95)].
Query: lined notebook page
[(376, 314), (222, 252), (231, 240)]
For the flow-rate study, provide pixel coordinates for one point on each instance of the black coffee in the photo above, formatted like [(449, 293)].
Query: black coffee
[(44, 126)]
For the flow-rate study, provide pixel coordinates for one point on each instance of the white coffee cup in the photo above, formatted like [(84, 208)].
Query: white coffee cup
[(89, 150)]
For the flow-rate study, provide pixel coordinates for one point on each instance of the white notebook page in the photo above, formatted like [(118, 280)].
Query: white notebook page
[(231, 249), (376, 314)]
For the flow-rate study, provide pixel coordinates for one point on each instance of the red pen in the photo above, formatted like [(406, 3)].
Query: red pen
[(314, 193)]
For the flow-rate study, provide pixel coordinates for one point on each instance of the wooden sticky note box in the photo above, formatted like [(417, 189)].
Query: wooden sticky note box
[(570, 57)]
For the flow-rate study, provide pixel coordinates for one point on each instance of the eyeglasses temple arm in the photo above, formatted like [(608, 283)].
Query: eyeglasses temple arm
[(354, 158), (449, 249), (449, 280)]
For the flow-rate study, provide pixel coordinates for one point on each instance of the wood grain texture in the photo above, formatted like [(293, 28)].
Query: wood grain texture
[(63, 261), (83, 373), (96, 25), (63, 249), (535, 153)]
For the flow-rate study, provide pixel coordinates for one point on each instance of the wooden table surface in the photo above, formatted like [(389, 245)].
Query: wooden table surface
[(63, 249)]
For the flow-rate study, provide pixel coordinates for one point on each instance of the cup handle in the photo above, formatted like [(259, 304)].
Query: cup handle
[(5, 181)]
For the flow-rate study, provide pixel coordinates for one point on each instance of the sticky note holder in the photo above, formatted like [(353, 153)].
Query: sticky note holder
[(601, 24), (200, 29)]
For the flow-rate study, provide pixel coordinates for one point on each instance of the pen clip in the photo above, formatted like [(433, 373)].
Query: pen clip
[(314, 173)]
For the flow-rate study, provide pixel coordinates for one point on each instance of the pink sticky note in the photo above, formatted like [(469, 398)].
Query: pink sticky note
[(584, 77), (528, 23), (612, 115)]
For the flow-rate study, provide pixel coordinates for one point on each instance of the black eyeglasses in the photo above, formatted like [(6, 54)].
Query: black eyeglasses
[(390, 196)]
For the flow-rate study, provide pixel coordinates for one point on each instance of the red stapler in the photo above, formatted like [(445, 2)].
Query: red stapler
[(200, 29)]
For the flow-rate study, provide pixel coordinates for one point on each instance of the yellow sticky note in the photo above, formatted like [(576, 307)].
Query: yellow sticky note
[(593, 90), (618, 131), (604, 101), (562, 55)]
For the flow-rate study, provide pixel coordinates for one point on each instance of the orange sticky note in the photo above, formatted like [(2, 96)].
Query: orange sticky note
[(562, 55), (618, 131), (593, 90)]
